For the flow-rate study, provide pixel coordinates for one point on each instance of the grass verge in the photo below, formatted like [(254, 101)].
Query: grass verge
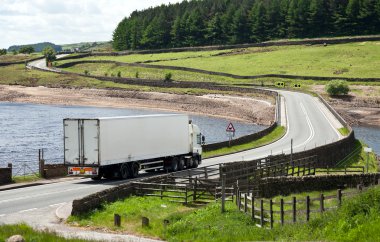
[(276, 134), (30, 234), (344, 131), (26, 178), (357, 219)]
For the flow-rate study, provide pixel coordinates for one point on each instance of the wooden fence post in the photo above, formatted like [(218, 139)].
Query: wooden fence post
[(239, 201), (359, 187), (186, 195), (117, 220), (245, 203), (307, 208), (304, 169), (271, 213), (339, 197), (294, 209), (195, 189), (321, 204), (262, 213), (223, 192), (253, 207), (162, 191), (328, 170), (145, 222), (206, 174), (282, 211)]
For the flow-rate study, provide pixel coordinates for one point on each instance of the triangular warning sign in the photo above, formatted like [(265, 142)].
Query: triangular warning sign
[(230, 128)]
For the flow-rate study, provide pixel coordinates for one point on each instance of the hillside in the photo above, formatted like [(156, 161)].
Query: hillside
[(98, 46), (219, 22), (37, 47)]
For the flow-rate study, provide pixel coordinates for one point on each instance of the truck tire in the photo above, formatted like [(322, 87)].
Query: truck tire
[(174, 165), (195, 162), (134, 170), (181, 163), (124, 172)]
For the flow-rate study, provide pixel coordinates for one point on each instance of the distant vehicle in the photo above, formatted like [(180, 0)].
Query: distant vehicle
[(120, 147)]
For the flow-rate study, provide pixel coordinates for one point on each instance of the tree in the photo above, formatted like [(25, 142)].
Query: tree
[(3, 51), (337, 87), (26, 50), (49, 54), (259, 22)]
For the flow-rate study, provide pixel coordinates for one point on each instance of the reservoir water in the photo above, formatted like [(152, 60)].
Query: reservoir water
[(25, 128), (370, 135)]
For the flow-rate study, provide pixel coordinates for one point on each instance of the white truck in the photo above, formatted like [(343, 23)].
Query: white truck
[(119, 147)]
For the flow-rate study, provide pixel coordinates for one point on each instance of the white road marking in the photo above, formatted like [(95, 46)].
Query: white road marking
[(56, 205), (27, 210), (312, 132), (47, 193), (328, 120)]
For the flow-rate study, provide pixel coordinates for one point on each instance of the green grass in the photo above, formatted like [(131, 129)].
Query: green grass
[(358, 219), (30, 234), (26, 178), (344, 131), (359, 158), (343, 60), (276, 134), (131, 210), (18, 75), (21, 57)]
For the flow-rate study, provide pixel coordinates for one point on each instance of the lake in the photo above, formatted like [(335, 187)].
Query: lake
[(25, 128)]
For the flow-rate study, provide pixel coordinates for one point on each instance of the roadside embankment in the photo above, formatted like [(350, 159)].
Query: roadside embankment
[(259, 111)]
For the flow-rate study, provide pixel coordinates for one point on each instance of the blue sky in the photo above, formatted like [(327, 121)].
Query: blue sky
[(64, 21)]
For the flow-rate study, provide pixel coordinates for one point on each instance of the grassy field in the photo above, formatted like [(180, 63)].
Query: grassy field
[(276, 134), (357, 220), (343, 60), (20, 57), (30, 234), (105, 69), (18, 75)]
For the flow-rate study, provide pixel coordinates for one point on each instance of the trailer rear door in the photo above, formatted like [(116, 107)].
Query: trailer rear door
[(90, 141), (71, 141), (81, 142)]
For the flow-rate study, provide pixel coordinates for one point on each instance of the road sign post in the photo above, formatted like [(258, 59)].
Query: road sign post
[(230, 132)]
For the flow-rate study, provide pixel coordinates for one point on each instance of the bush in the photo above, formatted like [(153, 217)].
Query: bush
[(168, 76), (3, 51), (86, 72), (119, 74), (337, 87), (137, 74), (105, 74)]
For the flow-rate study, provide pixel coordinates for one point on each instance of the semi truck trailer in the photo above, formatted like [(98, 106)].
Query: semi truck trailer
[(121, 147)]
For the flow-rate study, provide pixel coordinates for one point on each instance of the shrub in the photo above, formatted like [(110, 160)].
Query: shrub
[(105, 74), (86, 72), (112, 75), (168, 76), (137, 74), (119, 74), (337, 87)]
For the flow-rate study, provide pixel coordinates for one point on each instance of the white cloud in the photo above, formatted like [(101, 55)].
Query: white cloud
[(61, 22)]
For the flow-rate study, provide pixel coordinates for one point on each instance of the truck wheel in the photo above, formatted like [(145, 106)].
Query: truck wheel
[(195, 162), (124, 173), (174, 166), (181, 163), (134, 170)]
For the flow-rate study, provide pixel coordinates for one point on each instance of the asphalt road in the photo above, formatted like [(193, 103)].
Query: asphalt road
[(309, 123)]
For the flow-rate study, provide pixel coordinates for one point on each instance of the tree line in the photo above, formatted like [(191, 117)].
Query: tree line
[(215, 22)]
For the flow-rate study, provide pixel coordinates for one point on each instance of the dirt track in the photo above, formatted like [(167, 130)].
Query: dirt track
[(236, 108)]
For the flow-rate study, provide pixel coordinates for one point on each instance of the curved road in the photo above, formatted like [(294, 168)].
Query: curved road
[(308, 121)]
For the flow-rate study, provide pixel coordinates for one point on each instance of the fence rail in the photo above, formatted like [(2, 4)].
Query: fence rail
[(267, 212)]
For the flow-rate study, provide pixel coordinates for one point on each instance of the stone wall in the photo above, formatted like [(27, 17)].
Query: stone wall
[(274, 186), (241, 140), (5, 175), (93, 201), (54, 170)]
